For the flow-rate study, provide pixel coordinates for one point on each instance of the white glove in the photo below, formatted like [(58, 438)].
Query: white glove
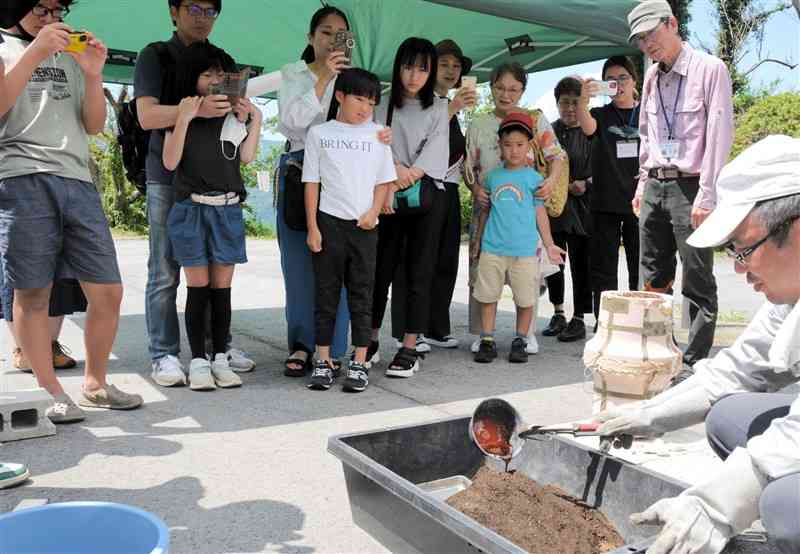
[(703, 518), (681, 406)]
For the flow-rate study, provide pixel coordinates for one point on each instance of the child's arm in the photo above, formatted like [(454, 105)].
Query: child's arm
[(249, 147), (314, 237), (555, 253), (369, 219), (175, 139)]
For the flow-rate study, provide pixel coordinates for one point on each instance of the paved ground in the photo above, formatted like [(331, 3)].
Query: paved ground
[(246, 470)]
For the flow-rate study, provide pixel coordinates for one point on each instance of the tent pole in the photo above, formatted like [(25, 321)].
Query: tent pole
[(556, 52)]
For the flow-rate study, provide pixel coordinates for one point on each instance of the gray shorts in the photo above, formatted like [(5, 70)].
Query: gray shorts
[(53, 227)]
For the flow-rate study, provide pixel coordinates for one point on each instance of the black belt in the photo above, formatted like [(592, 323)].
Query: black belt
[(665, 173)]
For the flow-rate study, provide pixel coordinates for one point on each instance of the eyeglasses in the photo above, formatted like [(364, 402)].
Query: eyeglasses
[(44, 11), (568, 103), (648, 36), (199, 11), (740, 256), (503, 90), (622, 79)]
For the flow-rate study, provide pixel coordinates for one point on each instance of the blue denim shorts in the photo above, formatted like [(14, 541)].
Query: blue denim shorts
[(202, 235), (51, 228)]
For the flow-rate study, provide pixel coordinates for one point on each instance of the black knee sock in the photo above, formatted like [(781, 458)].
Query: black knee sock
[(196, 302), (220, 318)]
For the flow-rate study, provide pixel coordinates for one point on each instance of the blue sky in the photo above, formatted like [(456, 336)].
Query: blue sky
[(781, 40)]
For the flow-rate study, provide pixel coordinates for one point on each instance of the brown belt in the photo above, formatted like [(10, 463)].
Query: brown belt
[(664, 173)]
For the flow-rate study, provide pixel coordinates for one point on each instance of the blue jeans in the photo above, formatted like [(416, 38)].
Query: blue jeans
[(163, 276), (298, 279)]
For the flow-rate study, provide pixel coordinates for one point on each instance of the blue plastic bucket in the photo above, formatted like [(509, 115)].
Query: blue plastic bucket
[(83, 528)]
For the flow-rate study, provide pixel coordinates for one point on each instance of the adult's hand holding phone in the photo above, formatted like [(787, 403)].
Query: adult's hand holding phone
[(93, 59), (214, 105), (51, 39)]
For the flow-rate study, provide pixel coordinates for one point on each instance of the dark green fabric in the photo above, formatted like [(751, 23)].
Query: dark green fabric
[(270, 33)]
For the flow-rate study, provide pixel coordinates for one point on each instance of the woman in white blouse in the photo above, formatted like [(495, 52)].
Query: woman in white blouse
[(304, 99)]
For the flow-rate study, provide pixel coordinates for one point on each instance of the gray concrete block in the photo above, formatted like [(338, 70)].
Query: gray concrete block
[(22, 415)]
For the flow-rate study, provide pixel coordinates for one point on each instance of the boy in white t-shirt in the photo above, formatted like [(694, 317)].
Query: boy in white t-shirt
[(354, 169)]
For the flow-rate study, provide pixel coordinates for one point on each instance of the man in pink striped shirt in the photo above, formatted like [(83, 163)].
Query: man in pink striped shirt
[(686, 131)]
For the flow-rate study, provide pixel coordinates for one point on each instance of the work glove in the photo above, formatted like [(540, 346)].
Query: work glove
[(680, 406), (704, 518)]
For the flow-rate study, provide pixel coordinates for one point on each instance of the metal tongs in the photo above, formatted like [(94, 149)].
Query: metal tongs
[(541, 432)]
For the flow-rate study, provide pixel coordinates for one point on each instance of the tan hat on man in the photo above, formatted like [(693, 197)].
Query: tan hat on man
[(646, 16), (768, 169)]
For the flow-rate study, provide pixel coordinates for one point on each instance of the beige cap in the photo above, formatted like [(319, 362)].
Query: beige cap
[(646, 16)]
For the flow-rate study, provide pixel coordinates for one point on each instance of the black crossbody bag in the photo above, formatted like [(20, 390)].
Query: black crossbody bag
[(294, 190)]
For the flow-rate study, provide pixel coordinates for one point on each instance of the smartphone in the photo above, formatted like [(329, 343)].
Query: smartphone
[(608, 88), (78, 41), (233, 85), (469, 82), (344, 41)]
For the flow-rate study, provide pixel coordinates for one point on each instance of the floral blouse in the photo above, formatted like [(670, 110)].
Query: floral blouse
[(483, 150)]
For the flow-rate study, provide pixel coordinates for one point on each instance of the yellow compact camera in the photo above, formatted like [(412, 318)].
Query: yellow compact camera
[(78, 41)]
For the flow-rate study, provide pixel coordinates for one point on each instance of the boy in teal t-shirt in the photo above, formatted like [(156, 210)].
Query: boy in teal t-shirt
[(508, 249)]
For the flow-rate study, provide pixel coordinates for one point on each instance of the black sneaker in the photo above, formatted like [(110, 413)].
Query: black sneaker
[(576, 330), (557, 324), (323, 376), (518, 354), (487, 351), (357, 378), (373, 356)]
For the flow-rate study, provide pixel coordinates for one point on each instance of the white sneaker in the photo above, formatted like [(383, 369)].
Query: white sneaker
[(475, 346), (446, 342), (223, 376), (200, 377), (239, 361), (168, 372), (533, 345), (422, 345)]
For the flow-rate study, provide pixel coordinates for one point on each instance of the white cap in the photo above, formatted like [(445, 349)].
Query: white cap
[(768, 169)]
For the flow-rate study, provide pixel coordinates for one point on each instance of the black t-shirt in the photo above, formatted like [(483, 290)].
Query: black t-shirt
[(203, 167), (148, 81), (575, 218), (614, 179)]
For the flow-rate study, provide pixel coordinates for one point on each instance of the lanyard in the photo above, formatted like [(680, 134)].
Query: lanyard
[(669, 123), (631, 119)]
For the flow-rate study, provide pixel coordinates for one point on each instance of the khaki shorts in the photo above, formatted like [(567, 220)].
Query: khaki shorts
[(494, 271)]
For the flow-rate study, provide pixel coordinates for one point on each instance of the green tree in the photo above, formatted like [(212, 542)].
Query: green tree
[(741, 21), (768, 115)]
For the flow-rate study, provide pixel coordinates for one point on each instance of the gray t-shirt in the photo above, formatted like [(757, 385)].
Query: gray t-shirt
[(43, 132), (420, 137), (148, 81)]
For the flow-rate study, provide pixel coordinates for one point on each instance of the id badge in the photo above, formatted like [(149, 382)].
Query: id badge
[(627, 149), (670, 149)]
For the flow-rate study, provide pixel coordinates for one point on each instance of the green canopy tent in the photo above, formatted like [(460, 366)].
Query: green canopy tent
[(266, 34)]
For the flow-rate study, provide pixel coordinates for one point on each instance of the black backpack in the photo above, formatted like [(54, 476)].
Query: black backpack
[(133, 140)]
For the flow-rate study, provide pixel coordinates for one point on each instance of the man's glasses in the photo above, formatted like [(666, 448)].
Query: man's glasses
[(44, 11), (199, 11), (740, 256), (648, 36)]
